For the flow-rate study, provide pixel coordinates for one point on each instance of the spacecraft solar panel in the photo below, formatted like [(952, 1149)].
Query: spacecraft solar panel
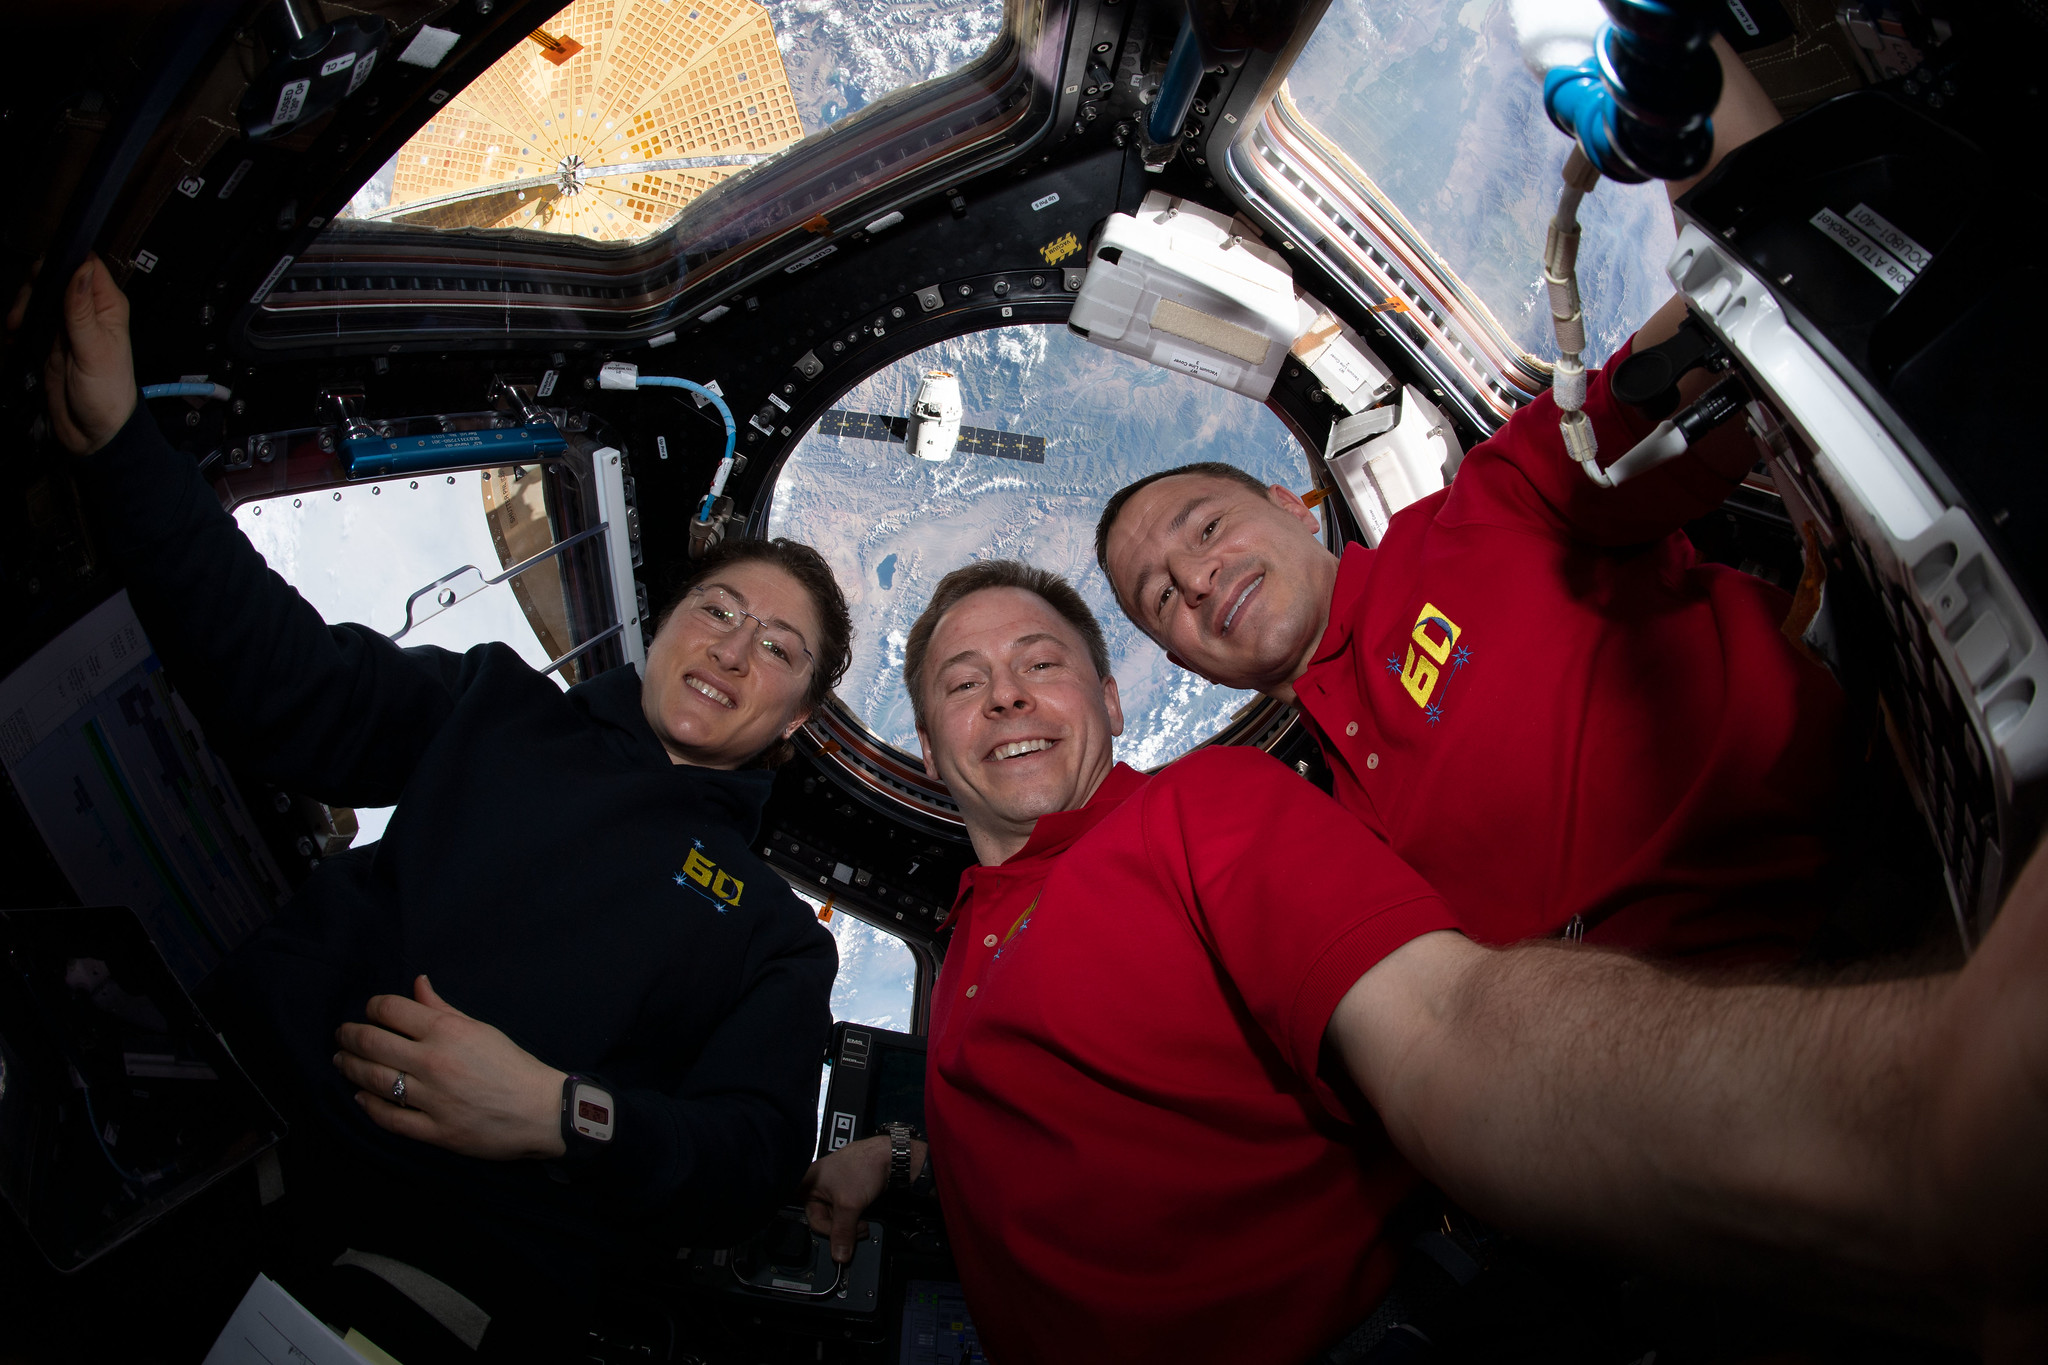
[(871, 426), (1004, 445), (868, 426)]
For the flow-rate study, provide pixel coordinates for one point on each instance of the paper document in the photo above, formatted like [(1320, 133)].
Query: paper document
[(270, 1327)]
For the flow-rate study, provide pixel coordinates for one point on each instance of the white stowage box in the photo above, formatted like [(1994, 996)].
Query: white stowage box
[(1382, 464), (1177, 286)]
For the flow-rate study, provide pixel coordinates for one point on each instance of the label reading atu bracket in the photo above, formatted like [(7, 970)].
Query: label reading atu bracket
[(1860, 244)]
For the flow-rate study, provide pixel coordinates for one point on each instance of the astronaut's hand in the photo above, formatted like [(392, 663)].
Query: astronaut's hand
[(839, 1188), (90, 375), (468, 1087)]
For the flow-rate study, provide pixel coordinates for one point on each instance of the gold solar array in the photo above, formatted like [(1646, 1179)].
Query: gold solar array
[(526, 145)]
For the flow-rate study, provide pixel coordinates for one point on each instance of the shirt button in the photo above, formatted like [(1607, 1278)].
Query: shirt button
[(1372, 760), (1352, 728), (971, 990), (989, 942)]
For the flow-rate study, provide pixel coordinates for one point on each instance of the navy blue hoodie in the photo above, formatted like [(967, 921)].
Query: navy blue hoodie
[(548, 866)]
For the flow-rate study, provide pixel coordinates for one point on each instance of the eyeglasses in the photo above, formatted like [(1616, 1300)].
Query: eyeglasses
[(781, 646)]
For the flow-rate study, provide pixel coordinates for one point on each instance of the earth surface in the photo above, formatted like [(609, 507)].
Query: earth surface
[(1431, 100)]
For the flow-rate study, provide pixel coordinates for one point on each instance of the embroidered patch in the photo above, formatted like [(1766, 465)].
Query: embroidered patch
[(709, 880), (1434, 652)]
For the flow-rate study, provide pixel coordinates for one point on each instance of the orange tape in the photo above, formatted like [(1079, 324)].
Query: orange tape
[(556, 50)]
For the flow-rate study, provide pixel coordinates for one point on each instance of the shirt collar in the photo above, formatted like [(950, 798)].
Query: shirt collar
[(1053, 835), (1347, 601), (612, 701)]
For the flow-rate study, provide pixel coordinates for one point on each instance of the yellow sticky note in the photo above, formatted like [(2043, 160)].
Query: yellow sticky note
[(368, 1349)]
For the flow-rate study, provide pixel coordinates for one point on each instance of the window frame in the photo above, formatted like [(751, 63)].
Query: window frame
[(924, 960), (392, 288)]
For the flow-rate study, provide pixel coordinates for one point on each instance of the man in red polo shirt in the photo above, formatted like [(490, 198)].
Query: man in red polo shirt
[(1135, 1145), (1532, 688)]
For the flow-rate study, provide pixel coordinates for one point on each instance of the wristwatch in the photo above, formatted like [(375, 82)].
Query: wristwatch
[(588, 1114), (900, 1135)]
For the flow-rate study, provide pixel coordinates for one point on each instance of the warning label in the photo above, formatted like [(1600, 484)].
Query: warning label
[(1059, 248)]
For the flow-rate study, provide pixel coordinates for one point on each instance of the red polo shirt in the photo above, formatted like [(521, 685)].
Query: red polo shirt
[(1549, 707), (1136, 1159)]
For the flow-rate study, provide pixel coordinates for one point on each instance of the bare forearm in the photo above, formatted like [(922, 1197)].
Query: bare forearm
[(1744, 1132), (1600, 1100)]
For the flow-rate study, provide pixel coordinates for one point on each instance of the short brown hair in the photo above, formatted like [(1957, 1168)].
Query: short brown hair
[(831, 652), (963, 583), (1215, 469)]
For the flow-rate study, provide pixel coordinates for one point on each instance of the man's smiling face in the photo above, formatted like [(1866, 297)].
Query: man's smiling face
[(1017, 722), (1234, 585)]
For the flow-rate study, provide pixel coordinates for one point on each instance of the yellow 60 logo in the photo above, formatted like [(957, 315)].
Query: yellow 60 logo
[(1429, 649)]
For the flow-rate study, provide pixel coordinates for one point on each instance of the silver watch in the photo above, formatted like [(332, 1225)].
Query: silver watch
[(900, 1173)]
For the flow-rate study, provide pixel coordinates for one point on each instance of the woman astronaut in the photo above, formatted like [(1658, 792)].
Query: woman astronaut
[(619, 1042)]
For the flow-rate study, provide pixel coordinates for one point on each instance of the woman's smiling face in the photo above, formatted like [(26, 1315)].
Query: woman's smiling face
[(728, 672)]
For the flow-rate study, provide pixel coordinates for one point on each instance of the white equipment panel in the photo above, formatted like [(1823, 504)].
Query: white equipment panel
[(1177, 286)]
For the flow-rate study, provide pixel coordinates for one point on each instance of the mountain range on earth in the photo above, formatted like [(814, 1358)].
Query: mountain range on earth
[(841, 55), (1431, 100)]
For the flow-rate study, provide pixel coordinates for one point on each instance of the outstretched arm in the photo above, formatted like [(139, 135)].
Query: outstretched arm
[(1870, 1137), (338, 712)]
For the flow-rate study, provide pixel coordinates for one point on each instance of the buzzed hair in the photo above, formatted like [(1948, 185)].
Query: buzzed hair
[(963, 583), (1215, 469)]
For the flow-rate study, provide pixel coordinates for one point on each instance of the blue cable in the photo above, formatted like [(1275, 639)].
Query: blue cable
[(732, 432), (666, 381), (184, 391)]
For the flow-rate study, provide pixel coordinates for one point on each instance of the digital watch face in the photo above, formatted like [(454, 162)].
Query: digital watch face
[(593, 1117)]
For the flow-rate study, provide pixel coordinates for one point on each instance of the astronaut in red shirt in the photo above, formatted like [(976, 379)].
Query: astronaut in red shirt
[(1152, 980), (1531, 688)]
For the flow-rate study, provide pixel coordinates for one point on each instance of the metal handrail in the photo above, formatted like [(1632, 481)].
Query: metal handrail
[(446, 597)]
